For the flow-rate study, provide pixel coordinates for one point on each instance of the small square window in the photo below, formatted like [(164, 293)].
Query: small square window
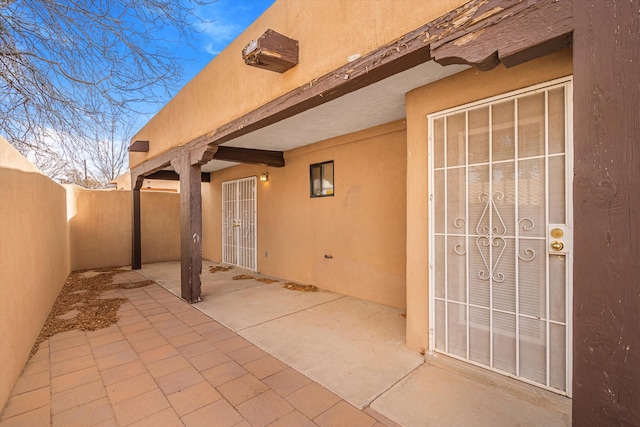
[(321, 179)]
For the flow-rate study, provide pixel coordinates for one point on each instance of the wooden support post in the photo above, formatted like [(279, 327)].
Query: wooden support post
[(136, 234), (136, 242), (606, 123), (190, 228), (188, 165)]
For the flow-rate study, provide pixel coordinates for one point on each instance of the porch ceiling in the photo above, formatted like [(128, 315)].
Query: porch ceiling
[(378, 103)]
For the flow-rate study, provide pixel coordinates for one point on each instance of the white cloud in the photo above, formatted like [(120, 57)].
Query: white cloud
[(210, 49), (224, 20), (219, 30)]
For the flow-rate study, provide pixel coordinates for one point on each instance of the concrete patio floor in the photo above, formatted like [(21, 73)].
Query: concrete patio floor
[(253, 353)]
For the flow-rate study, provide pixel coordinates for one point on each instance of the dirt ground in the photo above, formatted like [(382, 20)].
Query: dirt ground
[(79, 305)]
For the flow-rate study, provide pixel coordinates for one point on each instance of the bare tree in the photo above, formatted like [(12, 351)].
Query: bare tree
[(108, 155), (83, 68), (49, 162)]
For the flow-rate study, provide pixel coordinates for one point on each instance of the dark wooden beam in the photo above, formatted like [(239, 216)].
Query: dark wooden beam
[(250, 156), (152, 165), (173, 176), (272, 51), (606, 126), (139, 146), (483, 33)]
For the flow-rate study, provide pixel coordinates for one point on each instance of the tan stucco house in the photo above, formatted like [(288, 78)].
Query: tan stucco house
[(411, 153)]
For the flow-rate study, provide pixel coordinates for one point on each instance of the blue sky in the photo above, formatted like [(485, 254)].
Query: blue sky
[(222, 21), (226, 19)]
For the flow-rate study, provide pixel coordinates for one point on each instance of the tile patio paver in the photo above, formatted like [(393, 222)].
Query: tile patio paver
[(77, 396), (382, 420), (68, 343), (179, 380), (231, 344), (217, 414), (158, 353), (195, 349), (111, 348), (39, 366), (164, 363), (224, 373), (25, 402), (122, 372), (265, 366), (130, 387), (313, 399), (293, 419), (69, 353), (204, 361), (135, 327), (242, 389), (30, 382), (35, 417), (219, 335), (166, 418), (72, 365), (193, 398), (74, 379), (116, 359), (150, 343), (140, 407), (106, 339), (155, 309), (185, 339), (105, 331), (172, 329), (88, 414), (343, 414), (166, 366), (264, 409), (287, 381), (247, 354), (111, 422), (209, 326)]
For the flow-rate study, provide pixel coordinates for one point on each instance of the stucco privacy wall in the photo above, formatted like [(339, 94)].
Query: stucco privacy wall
[(34, 258), (362, 227), (328, 31), (47, 231), (459, 89), (100, 227)]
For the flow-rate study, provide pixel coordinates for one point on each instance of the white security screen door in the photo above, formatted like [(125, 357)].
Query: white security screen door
[(239, 223), (501, 221)]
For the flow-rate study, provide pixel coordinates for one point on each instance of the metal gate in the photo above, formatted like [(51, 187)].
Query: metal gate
[(239, 223), (500, 234)]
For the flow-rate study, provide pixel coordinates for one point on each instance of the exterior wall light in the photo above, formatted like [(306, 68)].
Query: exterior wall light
[(264, 177)]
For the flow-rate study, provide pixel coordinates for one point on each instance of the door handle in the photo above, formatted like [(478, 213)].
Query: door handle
[(557, 246)]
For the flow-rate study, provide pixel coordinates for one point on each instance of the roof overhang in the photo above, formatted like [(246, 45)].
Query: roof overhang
[(481, 33), (376, 104)]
